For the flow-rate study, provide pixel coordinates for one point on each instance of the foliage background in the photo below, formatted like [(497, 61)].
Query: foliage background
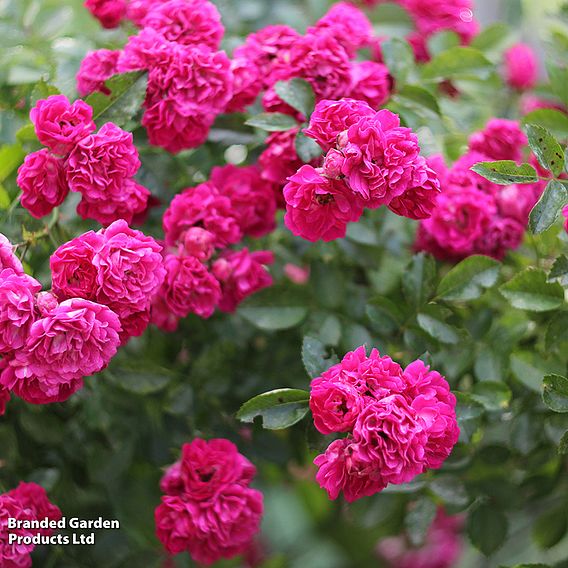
[(102, 452)]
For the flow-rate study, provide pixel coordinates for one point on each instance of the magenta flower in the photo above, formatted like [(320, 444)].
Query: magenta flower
[(95, 69), (109, 12), (33, 497), (521, 67), (371, 82), (501, 139), (246, 85), (7, 257), (60, 125)]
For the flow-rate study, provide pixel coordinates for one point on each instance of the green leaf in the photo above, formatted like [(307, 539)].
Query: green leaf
[(307, 148), (418, 520), (525, 367), (417, 98), (556, 336), (418, 279), (563, 446), (438, 329), (450, 489), (469, 279), (140, 380), (559, 270), (468, 413), (491, 37), (315, 357), (457, 62), (529, 290), (487, 528), (558, 81), (553, 120), (4, 198), (297, 93), (545, 147), (505, 172), (555, 393), (279, 408), (492, 395), (550, 528), (442, 41), (11, 156), (399, 58), (272, 121), (273, 318), (128, 91), (384, 315), (544, 214), (27, 134)]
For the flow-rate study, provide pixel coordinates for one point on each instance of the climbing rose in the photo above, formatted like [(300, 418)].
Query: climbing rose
[(501, 139), (330, 118), (14, 555), (565, 214), (318, 207), (95, 69), (189, 22), (252, 198), (205, 207), (60, 125), (188, 287), (246, 85), (43, 183), (7, 257), (101, 162), (371, 82), (199, 243), (75, 340), (17, 311), (348, 25), (172, 482), (241, 273), (521, 67), (442, 548), (144, 51), (34, 497), (4, 400), (109, 12)]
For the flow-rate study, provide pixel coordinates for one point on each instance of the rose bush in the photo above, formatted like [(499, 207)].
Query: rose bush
[(319, 246)]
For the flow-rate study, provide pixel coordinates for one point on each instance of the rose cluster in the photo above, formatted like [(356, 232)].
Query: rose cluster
[(370, 160), (28, 502), (200, 225), (190, 83), (208, 508), (98, 165), (102, 285), (442, 548), (474, 215), (400, 423)]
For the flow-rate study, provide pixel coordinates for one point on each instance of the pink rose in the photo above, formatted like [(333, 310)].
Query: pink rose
[(330, 118), (530, 102), (109, 12), (521, 67), (246, 85), (335, 405), (371, 82), (502, 235), (4, 400), (501, 139), (73, 273), (100, 163), (95, 69), (7, 257), (34, 497), (349, 25), (340, 469), (17, 310), (172, 481), (189, 287), (14, 555), (241, 273), (60, 125), (42, 180), (75, 340), (190, 22), (317, 207), (129, 273), (199, 243), (174, 523), (297, 274), (435, 408), (565, 214), (205, 207), (264, 47), (252, 198), (144, 51), (390, 436)]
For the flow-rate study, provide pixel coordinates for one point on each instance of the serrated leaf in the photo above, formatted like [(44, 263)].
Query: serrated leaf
[(273, 318), (563, 445), (550, 528), (399, 58), (545, 147), (557, 332), (529, 290), (128, 91), (505, 172), (272, 121), (442, 41), (306, 148), (553, 120), (315, 358), (418, 279), (297, 93), (457, 62), (438, 329), (492, 395), (558, 81), (559, 270), (280, 408), (491, 37), (450, 489), (415, 97), (469, 279), (468, 413), (139, 380), (555, 392), (487, 528), (418, 520), (11, 156), (544, 214)]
